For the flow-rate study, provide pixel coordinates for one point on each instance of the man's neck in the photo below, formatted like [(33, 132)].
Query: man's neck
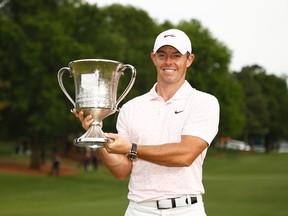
[(167, 91)]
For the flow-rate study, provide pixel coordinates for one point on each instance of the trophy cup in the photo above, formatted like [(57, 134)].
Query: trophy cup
[(96, 83)]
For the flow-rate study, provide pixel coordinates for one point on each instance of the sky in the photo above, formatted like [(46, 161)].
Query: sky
[(256, 31)]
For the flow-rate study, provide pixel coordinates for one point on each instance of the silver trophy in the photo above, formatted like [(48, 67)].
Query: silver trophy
[(96, 83)]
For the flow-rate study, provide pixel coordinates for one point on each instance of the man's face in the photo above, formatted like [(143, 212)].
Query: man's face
[(171, 65)]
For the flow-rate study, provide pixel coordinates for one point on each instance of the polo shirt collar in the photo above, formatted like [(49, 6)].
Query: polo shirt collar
[(182, 92)]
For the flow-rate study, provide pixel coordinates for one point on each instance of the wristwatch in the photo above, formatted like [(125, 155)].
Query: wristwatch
[(133, 154)]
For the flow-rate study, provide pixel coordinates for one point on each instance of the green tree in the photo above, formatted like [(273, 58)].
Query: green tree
[(255, 109), (32, 33), (276, 93), (4, 85)]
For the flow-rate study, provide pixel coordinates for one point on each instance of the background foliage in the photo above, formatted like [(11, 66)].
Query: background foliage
[(39, 37)]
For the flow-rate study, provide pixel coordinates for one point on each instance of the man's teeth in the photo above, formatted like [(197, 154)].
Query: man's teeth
[(169, 71)]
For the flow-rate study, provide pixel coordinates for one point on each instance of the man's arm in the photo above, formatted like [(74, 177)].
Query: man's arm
[(171, 154), (174, 154), (118, 164)]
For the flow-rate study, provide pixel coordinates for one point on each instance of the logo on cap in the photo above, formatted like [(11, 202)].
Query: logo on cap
[(170, 35)]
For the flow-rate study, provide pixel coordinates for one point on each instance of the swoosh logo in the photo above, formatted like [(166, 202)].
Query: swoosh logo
[(170, 35), (177, 112)]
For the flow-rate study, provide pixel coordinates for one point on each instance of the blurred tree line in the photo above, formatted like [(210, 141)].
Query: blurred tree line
[(39, 37)]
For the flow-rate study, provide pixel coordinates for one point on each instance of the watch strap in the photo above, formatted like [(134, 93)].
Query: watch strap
[(133, 153), (134, 148)]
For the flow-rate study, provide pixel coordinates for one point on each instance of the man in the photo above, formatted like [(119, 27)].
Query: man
[(163, 136)]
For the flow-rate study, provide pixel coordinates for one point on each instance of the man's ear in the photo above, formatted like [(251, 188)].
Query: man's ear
[(190, 60), (153, 58)]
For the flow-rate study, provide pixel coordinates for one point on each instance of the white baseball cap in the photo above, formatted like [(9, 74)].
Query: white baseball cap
[(173, 37)]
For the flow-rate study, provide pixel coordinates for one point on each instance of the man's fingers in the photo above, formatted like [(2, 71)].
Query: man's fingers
[(111, 135)]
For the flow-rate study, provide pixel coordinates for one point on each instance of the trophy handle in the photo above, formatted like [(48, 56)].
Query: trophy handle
[(128, 88), (60, 81)]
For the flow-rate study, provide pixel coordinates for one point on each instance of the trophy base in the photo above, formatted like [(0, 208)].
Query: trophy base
[(93, 138), (91, 142)]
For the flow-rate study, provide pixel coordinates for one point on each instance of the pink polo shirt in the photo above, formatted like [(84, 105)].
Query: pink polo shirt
[(149, 120)]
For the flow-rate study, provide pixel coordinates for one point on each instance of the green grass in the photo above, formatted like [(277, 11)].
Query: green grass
[(90, 193), (246, 184), (236, 184)]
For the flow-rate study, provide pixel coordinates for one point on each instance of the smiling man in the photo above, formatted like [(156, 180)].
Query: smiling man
[(163, 136)]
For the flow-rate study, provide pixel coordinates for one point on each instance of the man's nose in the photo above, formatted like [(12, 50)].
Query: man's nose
[(169, 60)]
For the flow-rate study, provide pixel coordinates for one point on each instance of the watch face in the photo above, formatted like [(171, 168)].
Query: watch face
[(132, 156)]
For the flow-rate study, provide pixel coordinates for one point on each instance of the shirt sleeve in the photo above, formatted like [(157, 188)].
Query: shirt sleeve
[(203, 120), (122, 118)]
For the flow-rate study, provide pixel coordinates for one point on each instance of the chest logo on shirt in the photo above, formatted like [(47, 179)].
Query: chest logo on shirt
[(178, 111)]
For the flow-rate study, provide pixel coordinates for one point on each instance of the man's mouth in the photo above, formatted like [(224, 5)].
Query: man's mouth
[(169, 70)]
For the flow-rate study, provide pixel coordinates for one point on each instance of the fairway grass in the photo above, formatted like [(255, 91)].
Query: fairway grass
[(88, 193), (247, 184), (236, 183)]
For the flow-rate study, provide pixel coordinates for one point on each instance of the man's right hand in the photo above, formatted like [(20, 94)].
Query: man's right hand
[(85, 121)]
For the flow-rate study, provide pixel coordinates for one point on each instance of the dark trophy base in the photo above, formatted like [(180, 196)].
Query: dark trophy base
[(93, 138)]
